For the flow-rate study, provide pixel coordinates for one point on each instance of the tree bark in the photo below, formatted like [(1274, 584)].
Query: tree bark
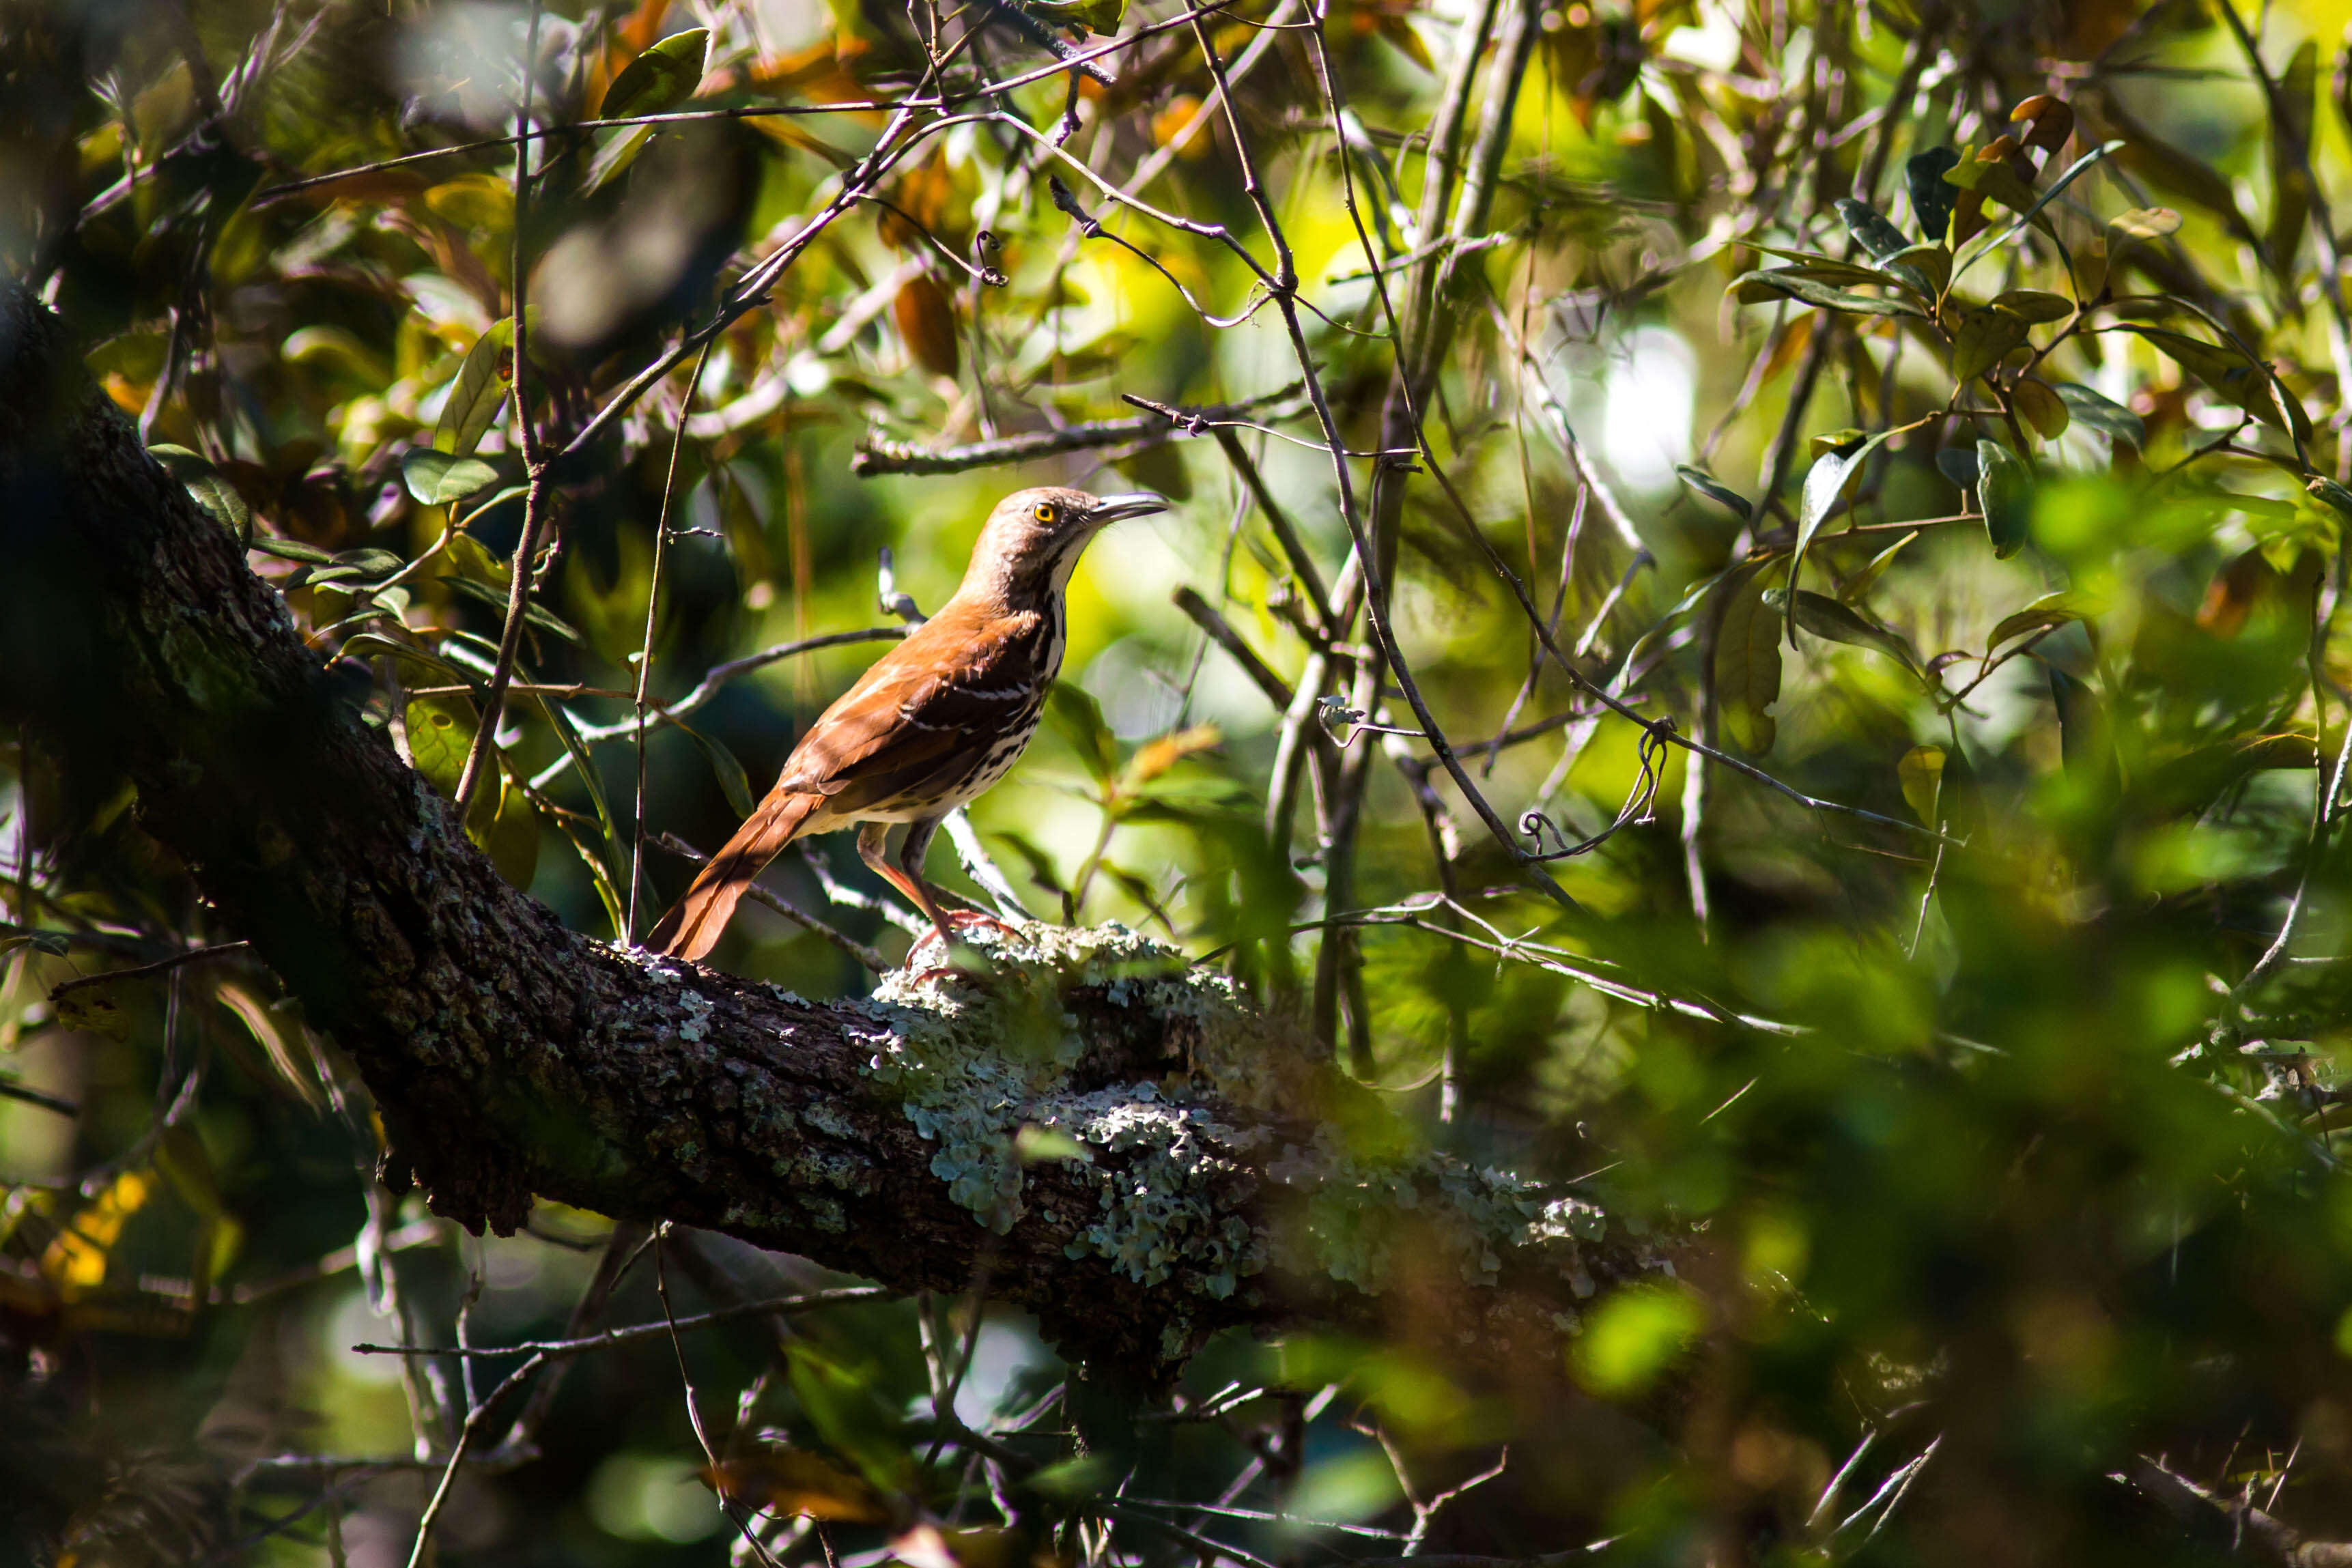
[(1197, 1183)]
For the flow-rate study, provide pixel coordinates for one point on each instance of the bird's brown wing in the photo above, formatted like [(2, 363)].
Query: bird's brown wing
[(902, 733), (952, 685)]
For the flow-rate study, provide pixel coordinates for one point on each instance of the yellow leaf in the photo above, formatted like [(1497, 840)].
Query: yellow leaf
[(1159, 756), (76, 1262), (292, 1057), (1921, 772)]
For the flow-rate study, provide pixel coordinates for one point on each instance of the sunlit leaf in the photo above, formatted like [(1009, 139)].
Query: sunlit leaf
[(2145, 223), (2040, 406), (475, 396), (658, 80), (439, 478), (1921, 773), (1157, 757), (208, 487), (1633, 1336), (2052, 121)]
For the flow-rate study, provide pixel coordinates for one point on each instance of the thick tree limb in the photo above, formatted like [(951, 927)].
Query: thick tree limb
[(1187, 1176)]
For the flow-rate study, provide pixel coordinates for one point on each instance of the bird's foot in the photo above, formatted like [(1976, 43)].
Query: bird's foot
[(961, 921)]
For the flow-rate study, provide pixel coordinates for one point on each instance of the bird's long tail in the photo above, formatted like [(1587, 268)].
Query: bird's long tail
[(693, 924)]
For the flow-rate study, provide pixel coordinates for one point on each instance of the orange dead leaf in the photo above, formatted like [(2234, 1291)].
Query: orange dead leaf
[(793, 1481), (927, 320)]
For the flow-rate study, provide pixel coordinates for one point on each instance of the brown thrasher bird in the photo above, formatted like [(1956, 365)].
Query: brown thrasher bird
[(935, 722)]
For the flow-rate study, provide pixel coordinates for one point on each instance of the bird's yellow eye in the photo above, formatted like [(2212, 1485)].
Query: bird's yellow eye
[(1046, 511)]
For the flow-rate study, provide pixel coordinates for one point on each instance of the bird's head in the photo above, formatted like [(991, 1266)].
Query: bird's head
[(1033, 539)]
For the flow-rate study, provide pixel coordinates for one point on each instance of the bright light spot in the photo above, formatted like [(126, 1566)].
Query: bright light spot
[(1650, 392), (1002, 1354), (652, 1497), (354, 1323)]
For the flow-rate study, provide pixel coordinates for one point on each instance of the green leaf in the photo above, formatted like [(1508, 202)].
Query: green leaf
[(1874, 569), (371, 562), (2035, 304), (1870, 228), (1931, 198), (655, 82), (2334, 494), (477, 393), (2050, 610), (1079, 718), (1921, 773), (1748, 664), (1715, 490), (440, 733), (512, 839), (534, 614), (600, 859), (1932, 262), (208, 487), (475, 562), (1761, 288), (2110, 418), (2243, 380), (1039, 863), (2032, 211), (1825, 482), (1992, 179), (1958, 464), (2005, 491), (2040, 406), (1984, 336), (733, 782), (294, 550), (501, 822), (439, 478), (660, 78), (1825, 617), (2142, 224), (2291, 189), (1087, 16), (1821, 268)]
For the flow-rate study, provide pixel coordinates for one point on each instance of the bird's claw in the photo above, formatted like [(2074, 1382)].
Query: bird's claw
[(961, 920)]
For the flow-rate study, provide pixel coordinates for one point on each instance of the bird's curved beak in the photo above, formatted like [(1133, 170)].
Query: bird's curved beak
[(1142, 503)]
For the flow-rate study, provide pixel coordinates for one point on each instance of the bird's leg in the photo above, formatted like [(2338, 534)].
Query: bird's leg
[(907, 876), (874, 848), (1069, 126)]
